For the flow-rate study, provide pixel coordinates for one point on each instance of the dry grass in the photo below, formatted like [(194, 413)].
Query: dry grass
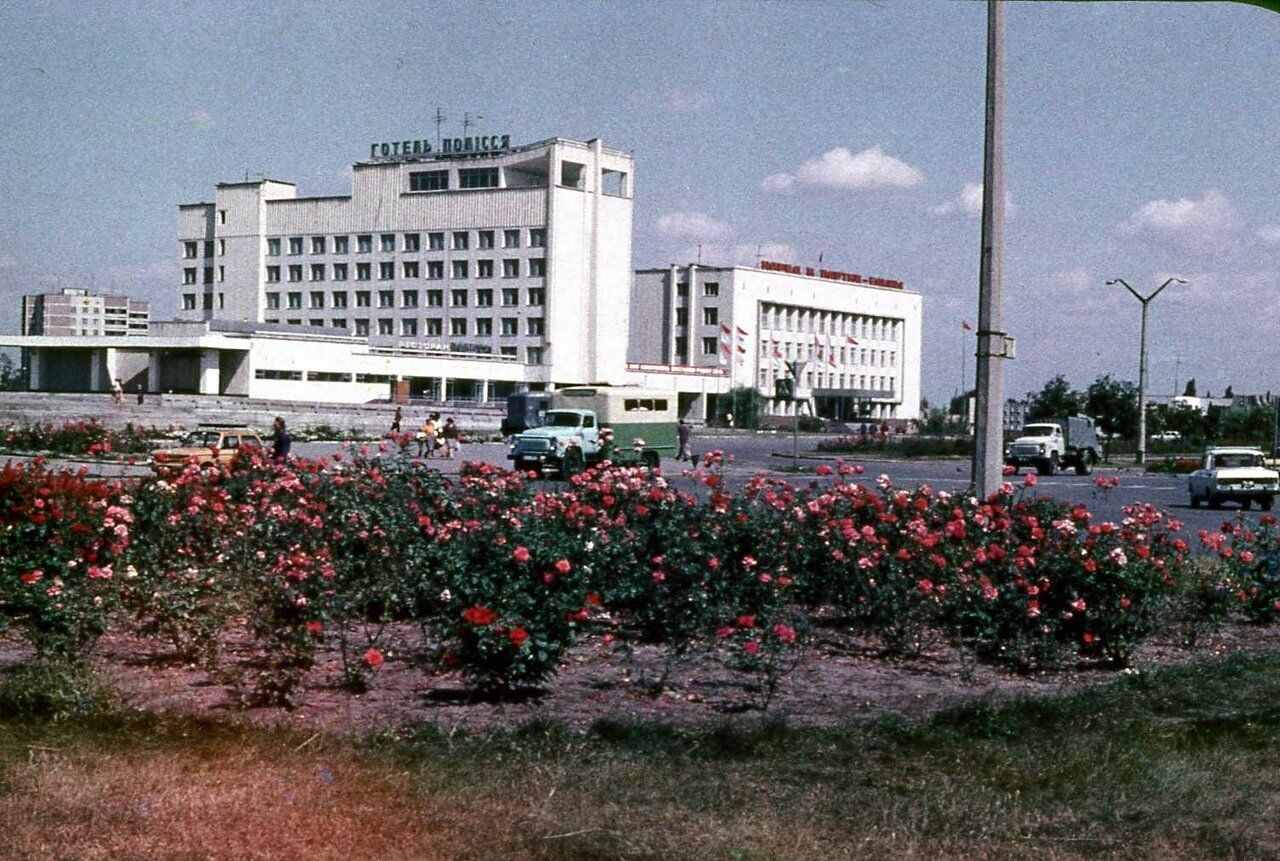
[(1182, 764)]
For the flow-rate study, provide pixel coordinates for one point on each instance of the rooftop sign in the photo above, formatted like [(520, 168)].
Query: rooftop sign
[(830, 274), (411, 149)]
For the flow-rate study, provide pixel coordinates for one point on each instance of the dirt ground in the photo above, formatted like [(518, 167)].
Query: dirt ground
[(838, 680)]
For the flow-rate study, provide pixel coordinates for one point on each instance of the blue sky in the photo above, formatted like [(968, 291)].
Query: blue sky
[(1141, 144)]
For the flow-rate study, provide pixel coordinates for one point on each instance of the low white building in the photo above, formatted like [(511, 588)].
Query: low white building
[(859, 337)]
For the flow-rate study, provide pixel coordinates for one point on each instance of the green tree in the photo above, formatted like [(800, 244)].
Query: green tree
[(1056, 400), (746, 404), (1114, 403)]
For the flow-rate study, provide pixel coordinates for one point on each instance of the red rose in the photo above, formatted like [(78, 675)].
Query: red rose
[(479, 616), (563, 566), (520, 554), (373, 658), (785, 633), (32, 576), (746, 621), (316, 628), (751, 647), (518, 636)]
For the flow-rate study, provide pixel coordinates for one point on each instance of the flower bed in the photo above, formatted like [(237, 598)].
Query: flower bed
[(89, 437), (503, 576)]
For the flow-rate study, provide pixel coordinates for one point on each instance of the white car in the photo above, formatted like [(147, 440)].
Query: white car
[(1167, 436), (1236, 474)]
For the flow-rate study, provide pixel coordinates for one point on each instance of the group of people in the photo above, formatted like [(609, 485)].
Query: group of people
[(433, 435), (117, 391)]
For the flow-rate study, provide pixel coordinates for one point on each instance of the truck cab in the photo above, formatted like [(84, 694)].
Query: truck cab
[(1052, 444), (567, 440)]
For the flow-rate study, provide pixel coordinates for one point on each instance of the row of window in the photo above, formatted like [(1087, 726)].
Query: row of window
[(535, 267), (459, 240), (191, 247), (709, 288), (882, 383), (320, 376), (508, 327), (532, 355), (468, 177), (843, 355), (483, 298), (190, 301), (190, 272), (797, 319)]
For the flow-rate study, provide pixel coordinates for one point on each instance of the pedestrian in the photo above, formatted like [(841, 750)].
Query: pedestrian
[(395, 422), (728, 419), (452, 439), (117, 391), (683, 433), (427, 437), (140, 394), (281, 441)]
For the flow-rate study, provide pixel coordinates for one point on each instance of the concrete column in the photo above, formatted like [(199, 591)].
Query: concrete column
[(673, 357), (96, 371), (444, 389), (34, 357), (210, 374), (153, 371), (484, 391), (110, 367)]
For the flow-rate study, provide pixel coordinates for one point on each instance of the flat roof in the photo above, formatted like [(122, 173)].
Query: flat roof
[(814, 277)]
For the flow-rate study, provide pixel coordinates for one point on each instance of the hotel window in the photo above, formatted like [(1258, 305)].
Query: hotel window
[(509, 351), (533, 326), (363, 271), (273, 274), (510, 297), (386, 270), (208, 274), (409, 328), (429, 180), (222, 247), (484, 239), (295, 245), (273, 247), (295, 273), (535, 355), (222, 216), (341, 244), (537, 296), (538, 237), (435, 298), (409, 299), (511, 268), (510, 327), (189, 275), (188, 301), (317, 271), (459, 269), (711, 288), (682, 316), (537, 267), (318, 323), (208, 248), (364, 243), (435, 326), (339, 272), (273, 301), (338, 323), (189, 249), (435, 242), (362, 328), (435, 269), (386, 326), (478, 177), (386, 298), (709, 346), (317, 245), (458, 298), (317, 299), (413, 242), (710, 316), (458, 326), (484, 268), (363, 298), (461, 240), (511, 239), (484, 326), (682, 288), (295, 301), (682, 345), (339, 300), (388, 241), (410, 268), (484, 298)]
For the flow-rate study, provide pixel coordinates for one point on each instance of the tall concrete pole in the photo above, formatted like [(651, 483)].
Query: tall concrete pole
[(1141, 457), (988, 448)]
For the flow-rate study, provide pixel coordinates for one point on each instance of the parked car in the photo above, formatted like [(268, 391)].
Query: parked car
[(208, 444), (1166, 436), (1233, 474)]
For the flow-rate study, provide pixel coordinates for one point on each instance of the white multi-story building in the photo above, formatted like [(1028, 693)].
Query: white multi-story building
[(859, 337)]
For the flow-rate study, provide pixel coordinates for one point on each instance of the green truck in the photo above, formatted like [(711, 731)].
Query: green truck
[(589, 424)]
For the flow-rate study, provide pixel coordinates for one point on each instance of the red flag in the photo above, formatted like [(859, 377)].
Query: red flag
[(777, 354), (741, 349), (964, 324), (724, 348), (725, 329), (741, 331), (850, 340)]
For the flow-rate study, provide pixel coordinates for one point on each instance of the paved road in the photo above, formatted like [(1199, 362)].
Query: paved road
[(753, 454)]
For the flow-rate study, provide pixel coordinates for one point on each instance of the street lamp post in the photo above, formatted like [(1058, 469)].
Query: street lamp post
[(1142, 361)]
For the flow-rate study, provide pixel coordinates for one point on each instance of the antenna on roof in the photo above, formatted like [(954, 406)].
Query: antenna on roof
[(758, 256), (468, 122), (440, 118), (699, 253)]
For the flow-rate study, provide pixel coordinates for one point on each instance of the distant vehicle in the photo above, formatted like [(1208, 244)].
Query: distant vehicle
[(208, 444), (1236, 475), (1052, 444), (1167, 436), (525, 410), (590, 424)]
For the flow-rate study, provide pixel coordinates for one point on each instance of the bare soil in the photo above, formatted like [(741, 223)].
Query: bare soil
[(838, 680)]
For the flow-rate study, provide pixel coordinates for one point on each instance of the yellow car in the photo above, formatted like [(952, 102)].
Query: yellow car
[(208, 444)]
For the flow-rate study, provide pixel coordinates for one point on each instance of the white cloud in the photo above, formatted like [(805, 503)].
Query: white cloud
[(1200, 223), (692, 225), (1269, 234), (685, 101), (968, 202), (841, 170)]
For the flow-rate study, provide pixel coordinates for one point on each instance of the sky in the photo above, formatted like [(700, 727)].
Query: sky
[(1141, 144)]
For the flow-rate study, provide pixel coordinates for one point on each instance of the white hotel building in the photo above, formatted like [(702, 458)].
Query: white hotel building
[(859, 337)]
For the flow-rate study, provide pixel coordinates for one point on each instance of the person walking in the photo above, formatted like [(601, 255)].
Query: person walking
[(395, 422), (427, 437), (117, 391), (684, 431), (281, 442), (452, 439)]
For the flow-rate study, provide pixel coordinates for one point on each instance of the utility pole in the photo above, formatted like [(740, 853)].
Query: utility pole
[(1142, 361), (988, 433)]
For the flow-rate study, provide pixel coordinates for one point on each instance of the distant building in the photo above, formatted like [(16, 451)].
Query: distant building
[(1015, 414), (79, 313)]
